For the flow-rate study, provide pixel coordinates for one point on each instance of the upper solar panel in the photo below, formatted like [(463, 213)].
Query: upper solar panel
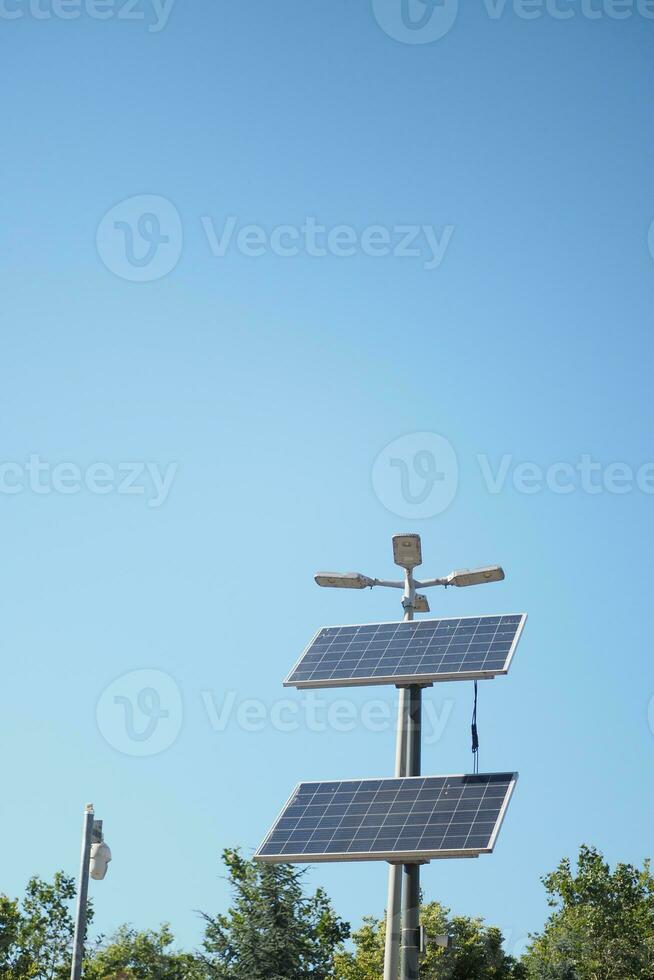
[(406, 820), (418, 652)]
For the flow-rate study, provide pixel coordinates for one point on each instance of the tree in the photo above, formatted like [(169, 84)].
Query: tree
[(36, 934), (603, 924), (143, 956), (272, 932), (475, 950), (10, 923)]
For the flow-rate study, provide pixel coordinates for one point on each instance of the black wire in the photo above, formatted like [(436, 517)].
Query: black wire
[(475, 735)]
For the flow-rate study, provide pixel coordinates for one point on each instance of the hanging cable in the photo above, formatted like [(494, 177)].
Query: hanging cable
[(475, 735)]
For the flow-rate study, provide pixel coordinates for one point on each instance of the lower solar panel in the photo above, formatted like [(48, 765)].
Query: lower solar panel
[(412, 819)]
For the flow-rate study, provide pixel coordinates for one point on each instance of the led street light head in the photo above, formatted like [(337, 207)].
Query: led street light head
[(343, 580), (407, 551), (475, 576)]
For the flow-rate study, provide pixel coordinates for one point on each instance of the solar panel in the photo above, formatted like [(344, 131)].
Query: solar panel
[(406, 820), (423, 651)]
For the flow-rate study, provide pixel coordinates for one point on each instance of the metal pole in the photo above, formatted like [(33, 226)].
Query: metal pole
[(410, 950), (82, 895), (394, 902)]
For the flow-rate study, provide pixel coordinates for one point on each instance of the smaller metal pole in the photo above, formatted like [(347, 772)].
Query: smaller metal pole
[(82, 895)]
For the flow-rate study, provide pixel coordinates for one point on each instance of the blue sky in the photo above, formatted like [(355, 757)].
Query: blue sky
[(179, 455)]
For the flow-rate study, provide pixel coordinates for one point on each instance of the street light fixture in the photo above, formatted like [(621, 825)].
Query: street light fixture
[(407, 553), (343, 580), (407, 550), (476, 576)]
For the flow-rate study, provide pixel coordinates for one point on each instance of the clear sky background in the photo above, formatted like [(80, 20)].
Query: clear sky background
[(274, 384)]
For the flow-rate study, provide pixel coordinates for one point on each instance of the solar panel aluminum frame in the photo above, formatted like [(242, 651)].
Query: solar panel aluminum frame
[(405, 680), (391, 857)]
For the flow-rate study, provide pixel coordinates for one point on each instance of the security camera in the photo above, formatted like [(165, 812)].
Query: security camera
[(100, 858)]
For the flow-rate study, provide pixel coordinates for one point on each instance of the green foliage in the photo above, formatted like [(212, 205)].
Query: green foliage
[(143, 955), (36, 934), (10, 926), (272, 932), (601, 928), (603, 924), (476, 950), (368, 958)]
